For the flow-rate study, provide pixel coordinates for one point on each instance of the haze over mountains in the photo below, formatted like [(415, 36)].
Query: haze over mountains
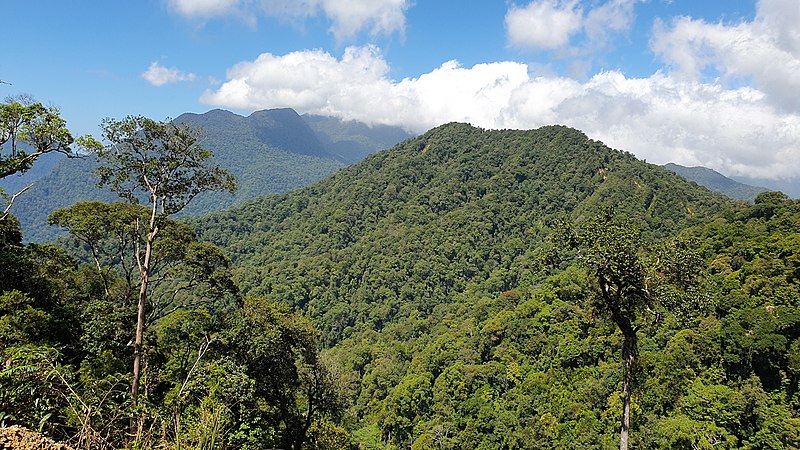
[(269, 151)]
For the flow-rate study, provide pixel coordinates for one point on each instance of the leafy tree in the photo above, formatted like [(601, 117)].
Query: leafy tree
[(632, 283), (295, 385), (28, 130), (178, 265), (163, 165)]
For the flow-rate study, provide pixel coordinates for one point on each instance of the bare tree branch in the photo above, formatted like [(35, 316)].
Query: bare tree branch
[(6, 211)]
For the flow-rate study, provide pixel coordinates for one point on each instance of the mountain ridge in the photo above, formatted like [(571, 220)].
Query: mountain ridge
[(269, 151), (717, 182), (280, 128)]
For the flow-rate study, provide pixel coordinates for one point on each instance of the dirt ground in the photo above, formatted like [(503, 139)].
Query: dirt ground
[(19, 438)]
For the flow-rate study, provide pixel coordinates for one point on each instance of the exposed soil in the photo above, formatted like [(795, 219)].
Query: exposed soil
[(19, 438)]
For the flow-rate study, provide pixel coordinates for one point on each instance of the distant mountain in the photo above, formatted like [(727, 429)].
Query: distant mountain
[(790, 187), (717, 182), (350, 140), (269, 151), (43, 166), (279, 128)]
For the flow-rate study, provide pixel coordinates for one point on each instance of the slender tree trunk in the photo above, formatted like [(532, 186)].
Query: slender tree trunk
[(144, 275), (629, 357), (303, 433), (139, 338), (144, 271)]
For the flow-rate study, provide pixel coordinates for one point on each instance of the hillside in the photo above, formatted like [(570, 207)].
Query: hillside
[(464, 205), (270, 151), (43, 166), (717, 182), (422, 267)]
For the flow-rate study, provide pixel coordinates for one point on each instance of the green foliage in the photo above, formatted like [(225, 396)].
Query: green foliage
[(29, 130), (29, 393), (406, 229), (422, 266), (244, 376), (183, 269), (20, 321), (162, 161)]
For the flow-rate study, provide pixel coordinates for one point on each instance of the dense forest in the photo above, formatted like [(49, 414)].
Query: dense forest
[(456, 291)]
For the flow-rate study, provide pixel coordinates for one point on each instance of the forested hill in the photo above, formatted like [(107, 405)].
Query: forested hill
[(270, 151), (426, 269), (465, 289), (457, 208)]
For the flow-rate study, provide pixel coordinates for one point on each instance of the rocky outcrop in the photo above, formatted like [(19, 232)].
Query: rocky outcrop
[(19, 438)]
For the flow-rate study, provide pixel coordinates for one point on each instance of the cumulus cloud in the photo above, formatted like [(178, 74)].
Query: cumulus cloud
[(660, 118), (158, 75), (357, 87), (765, 51), (614, 16), (553, 24), (348, 17)]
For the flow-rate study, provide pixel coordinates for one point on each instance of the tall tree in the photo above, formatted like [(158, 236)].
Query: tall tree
[(163, 166), (635, 282), (28, 130)]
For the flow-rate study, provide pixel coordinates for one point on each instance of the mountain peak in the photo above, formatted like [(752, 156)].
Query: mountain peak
[(284, 128)]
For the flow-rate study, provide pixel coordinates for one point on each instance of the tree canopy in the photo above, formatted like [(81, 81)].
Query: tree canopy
[(29, 130)]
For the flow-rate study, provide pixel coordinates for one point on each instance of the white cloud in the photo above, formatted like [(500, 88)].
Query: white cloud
[(765, 51), (357, 87), (554, 24), (660, 118), (158, 75), (615, 16), (543, 24), (348, 17)]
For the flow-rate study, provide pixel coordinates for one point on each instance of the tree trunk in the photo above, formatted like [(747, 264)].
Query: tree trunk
[(139, 338), (144, 271), (144, 276), (629, 353)]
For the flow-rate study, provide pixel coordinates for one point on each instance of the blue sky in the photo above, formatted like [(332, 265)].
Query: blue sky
[(710, 83)]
